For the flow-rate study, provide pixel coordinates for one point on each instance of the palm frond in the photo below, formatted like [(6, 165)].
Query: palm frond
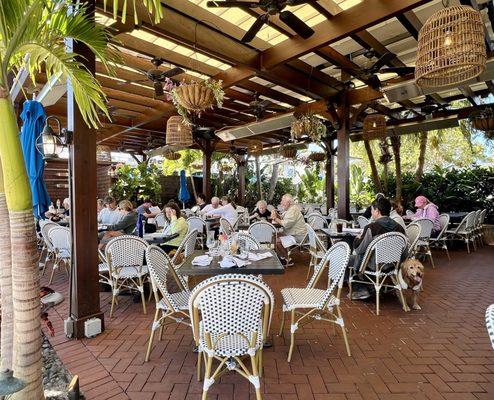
[(153, 7)]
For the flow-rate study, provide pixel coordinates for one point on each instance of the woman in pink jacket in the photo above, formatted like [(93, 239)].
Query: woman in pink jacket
[(426, 209)]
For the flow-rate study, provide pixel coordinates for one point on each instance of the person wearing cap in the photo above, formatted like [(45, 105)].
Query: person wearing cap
[(427, 209)]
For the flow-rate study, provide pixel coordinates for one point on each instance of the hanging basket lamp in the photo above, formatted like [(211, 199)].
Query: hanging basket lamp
[(451, 47), (374, 127), (254, 147), (308, 125), (483, 120), (178, 133), (103, 154), (171, 155), (289, 151), (317, 157)]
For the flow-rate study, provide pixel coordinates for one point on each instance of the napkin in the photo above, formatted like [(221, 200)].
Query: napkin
[(231, 262), (259, 256), (203, 260), (288, 241)]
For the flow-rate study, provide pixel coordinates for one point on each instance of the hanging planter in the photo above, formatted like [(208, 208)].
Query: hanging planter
[(254, 147), (196, 97), (374, 127), (178, 133), (196, 166), (317, 157), (171, 155), (289, 151), (483, 120), (103, 154), (308, 125), (386, 156), (451, 47)]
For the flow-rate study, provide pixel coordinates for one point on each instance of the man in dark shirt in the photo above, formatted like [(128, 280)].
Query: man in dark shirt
[(380, 209)]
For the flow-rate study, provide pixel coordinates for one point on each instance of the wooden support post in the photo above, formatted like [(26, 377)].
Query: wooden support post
[(241, 164), (329, 180), (258, 179), (343, 157), (206, 169), (84, 277)]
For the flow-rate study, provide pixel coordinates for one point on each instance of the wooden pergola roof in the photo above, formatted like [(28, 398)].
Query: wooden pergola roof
[(278, 65)]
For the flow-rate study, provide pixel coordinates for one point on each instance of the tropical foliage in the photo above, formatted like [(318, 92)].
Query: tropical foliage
[(136, 183)]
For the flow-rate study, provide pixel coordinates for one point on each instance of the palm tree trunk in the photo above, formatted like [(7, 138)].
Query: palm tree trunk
[(27, 362), (372, 162), (384, 188), (193, 184), (272, 182), (421, 161), (258, 178), (396, 144), (7, 328)]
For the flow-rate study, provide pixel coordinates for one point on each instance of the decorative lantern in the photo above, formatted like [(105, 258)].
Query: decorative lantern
[(451, 47), (103, 154), (374, 127), (289, 151), (254, 147), (317, 157), (49, 143), (308, 125), (178, 133), (171, 155)]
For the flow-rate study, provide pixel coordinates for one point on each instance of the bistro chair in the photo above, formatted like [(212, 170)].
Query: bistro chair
[(125, 259), (264, 232), (61, 241), (412, 232), (489, 323), (362, 221), (47, 249), (160, 221), (226, 227), (245, 241), (478, 227), (231, 317), (185, 249), (483, 214), (310, 304), (199, 225), (170, 307), (423, 247), (317, 221), (316, 248), (464, 231), (104, 270), (440, 241), (409, 213), (386, 253), (399, 220)]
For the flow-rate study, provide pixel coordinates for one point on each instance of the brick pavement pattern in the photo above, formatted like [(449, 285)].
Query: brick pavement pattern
[(440, 352)]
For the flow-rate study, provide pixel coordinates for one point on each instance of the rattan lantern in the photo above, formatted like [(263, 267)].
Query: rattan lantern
[(178, 134), (451, 48), (254, 147), (103, 154), (308, 125), (374, 127), (171, 155), (289, 151), (317, 157)]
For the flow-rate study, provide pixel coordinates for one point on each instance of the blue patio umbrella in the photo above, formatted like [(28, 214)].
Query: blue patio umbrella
[(183, 194), (33, 117)]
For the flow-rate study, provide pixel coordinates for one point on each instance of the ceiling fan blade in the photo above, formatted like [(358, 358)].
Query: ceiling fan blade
[(241, 4), (382, 61), (255, 28), (173, 72), (398, 70), (264, 104), (295, 23), (158, 89), (300, 2), (276, 107)]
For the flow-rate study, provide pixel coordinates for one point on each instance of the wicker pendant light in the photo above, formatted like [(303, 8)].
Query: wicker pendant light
[(289, 151), (103, 154), (178, 134), (451, 47), (254, 147), (171, 155), (317, 156), (374, 127)]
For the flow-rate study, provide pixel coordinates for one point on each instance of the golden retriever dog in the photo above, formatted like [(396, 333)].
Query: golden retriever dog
[(410, 277)]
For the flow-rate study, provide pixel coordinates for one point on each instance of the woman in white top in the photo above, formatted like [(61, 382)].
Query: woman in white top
[(227, 210)]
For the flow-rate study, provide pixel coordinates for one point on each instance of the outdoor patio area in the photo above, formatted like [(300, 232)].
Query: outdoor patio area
[(440, 352)]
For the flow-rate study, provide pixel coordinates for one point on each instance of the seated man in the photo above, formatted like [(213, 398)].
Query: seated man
[(293, 224), (109, 215), (201, 201), (382, 223), (215, 202)]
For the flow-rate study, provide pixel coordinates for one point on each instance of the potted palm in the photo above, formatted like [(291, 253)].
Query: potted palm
[(483, 120)]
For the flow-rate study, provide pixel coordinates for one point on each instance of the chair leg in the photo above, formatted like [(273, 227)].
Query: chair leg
[(113, 298), (151, 337), (54, 266), (468, 245), (198, 366), (207, 374), (255, 374), (259, 362), (343, 331), (447, 251), (429, 253), (292, 336), (143, 297), (282, 322)]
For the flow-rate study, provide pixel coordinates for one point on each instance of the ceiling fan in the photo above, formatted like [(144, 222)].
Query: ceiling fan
[(270, 7), (113, 111), (156, 75), (258, 107), (430, 106)]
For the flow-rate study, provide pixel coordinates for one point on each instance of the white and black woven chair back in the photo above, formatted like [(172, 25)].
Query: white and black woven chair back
[(159, 264), (231, 304), (160, 220), (125, 251), (482, 216), (444, 222), (478, 214), (312, 236), (489, 322), (362, 221), (470, 222), (196, 223), (388, 250), (413, 235), (60, 239), (409, 213), (188, 245), (338, 257), (245, 241), (263, 231), (399, 220), (226, 227), (45, 228), (316, 221), (426, 226)]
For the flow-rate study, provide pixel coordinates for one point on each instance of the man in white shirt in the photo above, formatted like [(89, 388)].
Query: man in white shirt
[(227, 210), (109, 215), (215, 202)]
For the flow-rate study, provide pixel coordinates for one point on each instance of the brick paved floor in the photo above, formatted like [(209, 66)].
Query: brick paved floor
[(440, 352)]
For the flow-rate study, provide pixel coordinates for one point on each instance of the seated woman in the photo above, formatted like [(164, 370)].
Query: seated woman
[(125, 226), (176, 224), (427, 209), (261, 212)]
